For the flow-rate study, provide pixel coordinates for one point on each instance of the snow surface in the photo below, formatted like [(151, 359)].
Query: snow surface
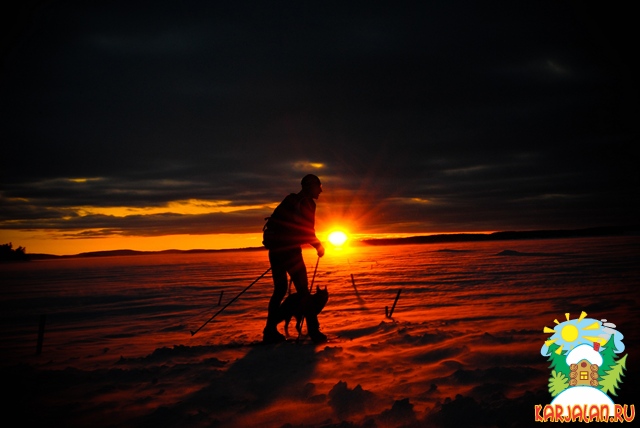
[(581, 395), (584, 352), (462, 348)]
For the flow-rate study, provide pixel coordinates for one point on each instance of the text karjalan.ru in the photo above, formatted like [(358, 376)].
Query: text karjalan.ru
[(584, 413)]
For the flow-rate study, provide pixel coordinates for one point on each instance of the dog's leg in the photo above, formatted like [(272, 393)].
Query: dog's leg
[(299, 324), (287, 320)]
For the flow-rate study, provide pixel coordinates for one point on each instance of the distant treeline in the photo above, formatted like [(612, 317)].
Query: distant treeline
[(508, 235), (8, 253), (116, 253)]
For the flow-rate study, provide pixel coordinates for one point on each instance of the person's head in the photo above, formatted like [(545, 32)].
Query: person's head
[(311, 185)]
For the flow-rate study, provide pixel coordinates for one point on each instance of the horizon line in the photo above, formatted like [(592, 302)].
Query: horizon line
[(396, 240)]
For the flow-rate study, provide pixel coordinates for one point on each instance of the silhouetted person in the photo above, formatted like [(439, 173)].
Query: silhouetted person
[(291, 225)]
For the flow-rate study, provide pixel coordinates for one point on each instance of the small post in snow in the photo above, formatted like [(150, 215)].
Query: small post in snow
[(388, 313)]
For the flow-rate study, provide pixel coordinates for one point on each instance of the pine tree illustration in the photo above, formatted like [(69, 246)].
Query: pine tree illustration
[(558, 361), (609, 357), (611, 379), (558, 382)]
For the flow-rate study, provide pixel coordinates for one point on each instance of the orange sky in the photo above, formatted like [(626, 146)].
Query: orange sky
[(51, 242), (54, 242), (74, 240)]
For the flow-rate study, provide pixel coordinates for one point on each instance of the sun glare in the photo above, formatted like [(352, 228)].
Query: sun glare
[(337, 238)]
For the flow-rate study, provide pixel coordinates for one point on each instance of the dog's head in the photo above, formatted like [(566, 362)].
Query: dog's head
[(320, 298)]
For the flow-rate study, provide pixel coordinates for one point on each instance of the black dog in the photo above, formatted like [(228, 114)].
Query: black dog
[(292, 307)]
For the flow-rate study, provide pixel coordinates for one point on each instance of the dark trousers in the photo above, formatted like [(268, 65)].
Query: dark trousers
[(283, 262)]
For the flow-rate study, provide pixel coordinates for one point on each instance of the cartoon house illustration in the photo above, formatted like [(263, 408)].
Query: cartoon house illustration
[(584, 361)]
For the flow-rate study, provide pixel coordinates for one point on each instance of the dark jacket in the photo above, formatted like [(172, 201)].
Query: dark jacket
[(292, 223)]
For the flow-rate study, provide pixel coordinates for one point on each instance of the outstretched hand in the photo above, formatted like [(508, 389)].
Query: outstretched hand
[(320, 250)]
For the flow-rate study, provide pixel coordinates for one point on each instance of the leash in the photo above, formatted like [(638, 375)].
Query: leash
[(310, 290)]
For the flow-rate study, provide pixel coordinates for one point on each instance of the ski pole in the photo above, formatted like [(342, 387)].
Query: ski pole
[(193, 332), (314, 275)]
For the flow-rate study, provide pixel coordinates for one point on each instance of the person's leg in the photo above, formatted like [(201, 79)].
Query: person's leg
[(298, 271), (279, 275)]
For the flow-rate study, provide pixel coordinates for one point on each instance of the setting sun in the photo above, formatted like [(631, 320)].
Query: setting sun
[(337, 238)]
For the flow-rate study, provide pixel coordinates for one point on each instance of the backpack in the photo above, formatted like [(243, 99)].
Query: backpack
[(282, 227)]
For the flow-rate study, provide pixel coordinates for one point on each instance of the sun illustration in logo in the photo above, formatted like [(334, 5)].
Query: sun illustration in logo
[(573, 332)]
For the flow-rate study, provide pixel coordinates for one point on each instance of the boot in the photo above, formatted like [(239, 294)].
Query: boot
[(318, 337), (270, 334), (313, 328)]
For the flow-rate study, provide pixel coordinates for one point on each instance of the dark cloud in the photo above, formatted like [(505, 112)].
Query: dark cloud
[(427, 118)]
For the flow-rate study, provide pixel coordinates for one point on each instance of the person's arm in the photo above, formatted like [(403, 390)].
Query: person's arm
[(308, 220)]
